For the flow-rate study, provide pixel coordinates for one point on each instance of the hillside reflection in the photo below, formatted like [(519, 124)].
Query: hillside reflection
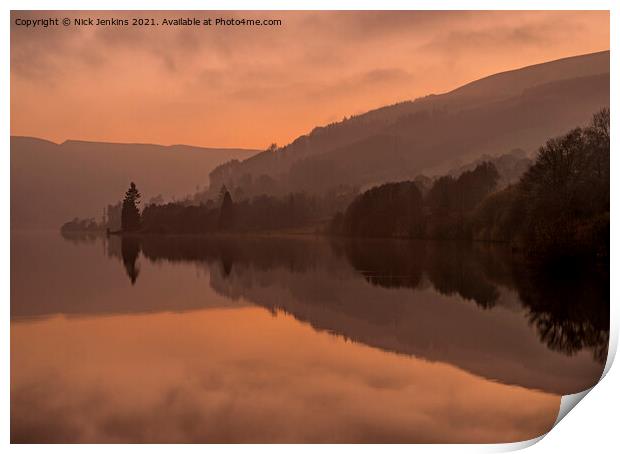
[(412, 298), (569, 306)]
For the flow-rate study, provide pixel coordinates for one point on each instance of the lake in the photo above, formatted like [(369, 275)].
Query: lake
[(294, 339)]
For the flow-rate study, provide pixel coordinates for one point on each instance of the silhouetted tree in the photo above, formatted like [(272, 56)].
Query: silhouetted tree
[(226, 210), (475, 185), (499, 217), (389, 210), (81, 225), (130, 214), (401, 210), (558, 209), (566, 193), (256, 214)]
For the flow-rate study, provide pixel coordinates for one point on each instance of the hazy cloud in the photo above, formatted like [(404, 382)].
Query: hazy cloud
[(66, 81)]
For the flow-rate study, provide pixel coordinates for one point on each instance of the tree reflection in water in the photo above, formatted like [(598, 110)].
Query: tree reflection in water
[(569, 308), (130, 249)]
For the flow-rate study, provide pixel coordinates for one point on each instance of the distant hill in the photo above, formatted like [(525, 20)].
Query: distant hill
[(514, 109), (52, 183), (520, 109), (510, 166)]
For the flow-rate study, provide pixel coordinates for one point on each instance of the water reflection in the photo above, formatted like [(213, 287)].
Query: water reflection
[(82, 237), (315, 281), (419, 324), (568, 306), (130, 248), (242, 375)]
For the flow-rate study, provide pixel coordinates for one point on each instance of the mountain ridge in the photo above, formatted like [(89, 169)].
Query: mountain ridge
[(79, 178), (520, 108), (113, 143), (575, 87)]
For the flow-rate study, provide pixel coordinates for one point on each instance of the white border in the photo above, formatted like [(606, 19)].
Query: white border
[(592, 427)]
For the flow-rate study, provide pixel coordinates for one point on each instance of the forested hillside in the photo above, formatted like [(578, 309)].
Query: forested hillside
[(517, 109), (559, 207)]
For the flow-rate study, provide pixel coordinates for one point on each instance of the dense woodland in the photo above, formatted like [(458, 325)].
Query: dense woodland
[(261, 213), (559, 206)]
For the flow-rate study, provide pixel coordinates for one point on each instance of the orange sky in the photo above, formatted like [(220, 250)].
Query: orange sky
[(250, 86)]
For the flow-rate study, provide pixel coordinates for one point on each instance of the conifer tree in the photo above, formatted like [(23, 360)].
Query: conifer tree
[(130, 213)]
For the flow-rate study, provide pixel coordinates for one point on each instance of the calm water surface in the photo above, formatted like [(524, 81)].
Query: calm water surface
[(252, 339)]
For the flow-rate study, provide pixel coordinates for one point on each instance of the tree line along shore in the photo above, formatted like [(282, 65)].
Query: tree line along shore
[(558, 208)]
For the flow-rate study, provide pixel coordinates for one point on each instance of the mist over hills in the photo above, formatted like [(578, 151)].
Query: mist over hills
[(514, 109), (52, 183)]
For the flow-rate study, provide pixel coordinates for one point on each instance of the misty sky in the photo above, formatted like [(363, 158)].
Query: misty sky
[(250, 86)]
